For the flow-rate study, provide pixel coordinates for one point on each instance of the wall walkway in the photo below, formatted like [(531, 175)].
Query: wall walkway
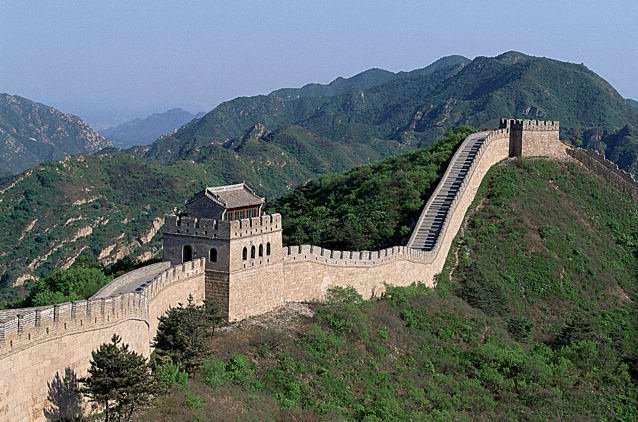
[(37, 343)]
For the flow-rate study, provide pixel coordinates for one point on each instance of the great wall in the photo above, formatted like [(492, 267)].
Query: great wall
[(243, 267)]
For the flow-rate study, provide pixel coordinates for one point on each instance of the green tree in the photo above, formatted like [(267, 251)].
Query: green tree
[(78, 282), (182, 334), (119, 380)]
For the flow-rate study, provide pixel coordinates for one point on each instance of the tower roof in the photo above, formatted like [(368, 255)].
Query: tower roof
[(233, 196)]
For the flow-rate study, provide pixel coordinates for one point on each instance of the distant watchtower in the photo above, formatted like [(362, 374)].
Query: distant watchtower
[(226, 225)]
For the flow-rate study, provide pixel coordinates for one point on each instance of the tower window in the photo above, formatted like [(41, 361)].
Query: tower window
[(244, 254), (252, 252), (261, 250), (212, 255), (268, 248)]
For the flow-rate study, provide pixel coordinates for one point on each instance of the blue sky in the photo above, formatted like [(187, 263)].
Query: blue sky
[(112, 60)]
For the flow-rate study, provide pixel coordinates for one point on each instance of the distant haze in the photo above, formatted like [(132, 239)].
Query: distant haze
[(112, 61)]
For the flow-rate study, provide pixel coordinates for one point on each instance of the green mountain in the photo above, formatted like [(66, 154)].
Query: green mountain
[(110, 205), (31, 133), (145, 131), (304, 108), (535, 316), (413, 108)]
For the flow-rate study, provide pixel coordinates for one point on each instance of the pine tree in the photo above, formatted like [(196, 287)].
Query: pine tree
[(183, 334), (119, 380)]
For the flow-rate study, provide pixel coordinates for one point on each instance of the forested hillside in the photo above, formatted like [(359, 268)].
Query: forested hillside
[(370, 207), (413, 108), (534, 318)]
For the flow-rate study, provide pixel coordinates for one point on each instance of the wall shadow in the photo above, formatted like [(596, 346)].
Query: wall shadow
[(65, 399)]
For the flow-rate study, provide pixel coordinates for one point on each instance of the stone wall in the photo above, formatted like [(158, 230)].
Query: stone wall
[(139, 274), (35, 344), (307, 271), (608, 170)]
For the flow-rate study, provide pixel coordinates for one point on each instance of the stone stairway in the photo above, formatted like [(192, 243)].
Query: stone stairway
[(435, 213)]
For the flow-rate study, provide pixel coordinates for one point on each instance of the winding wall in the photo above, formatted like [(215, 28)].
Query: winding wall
[(306, 272), (37, 343)]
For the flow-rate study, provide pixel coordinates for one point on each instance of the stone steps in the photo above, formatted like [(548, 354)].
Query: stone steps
[(432, 221)]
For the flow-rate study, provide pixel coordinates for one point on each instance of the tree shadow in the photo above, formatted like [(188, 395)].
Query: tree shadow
[(65, 399)]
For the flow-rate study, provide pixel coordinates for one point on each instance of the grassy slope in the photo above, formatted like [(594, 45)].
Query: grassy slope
[(537, 321)]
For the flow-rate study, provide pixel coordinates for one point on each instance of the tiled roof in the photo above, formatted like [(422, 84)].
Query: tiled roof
[(234, 196)]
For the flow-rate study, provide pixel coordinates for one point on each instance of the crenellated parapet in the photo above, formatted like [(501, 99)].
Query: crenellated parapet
[(248, 227), (23, 328), (33, 326), (531, 125), (193, 226), (353, 258), (607, 169), (225, 230)]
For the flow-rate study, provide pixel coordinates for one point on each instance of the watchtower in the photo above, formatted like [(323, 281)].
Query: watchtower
[(226, 225), (531, 137)]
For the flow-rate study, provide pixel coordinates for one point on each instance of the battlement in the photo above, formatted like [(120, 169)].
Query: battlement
[(254, 226), (502, 133), (193, 226), (532, 125), (226, 230), (22, 328), (607, 169), (352, 258)]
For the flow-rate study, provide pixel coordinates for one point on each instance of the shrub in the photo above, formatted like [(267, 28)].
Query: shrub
[(343, 312), (193, 401), (119, 380), (76, 283), (520, 328), (213, 373), (169, 374)]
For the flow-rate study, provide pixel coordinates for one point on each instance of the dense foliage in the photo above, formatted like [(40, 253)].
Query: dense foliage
[(182, 335), (416, 107), (370, 207), (76, 283), (554, 253), (533, 318)]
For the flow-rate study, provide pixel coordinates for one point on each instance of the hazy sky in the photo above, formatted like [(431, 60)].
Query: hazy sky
[(111, 60)]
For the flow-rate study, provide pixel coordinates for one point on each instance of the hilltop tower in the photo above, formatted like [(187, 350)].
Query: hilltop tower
[(226, 225), (531, 138)]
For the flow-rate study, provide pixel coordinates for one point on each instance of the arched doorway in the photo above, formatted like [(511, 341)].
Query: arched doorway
[(187, 253)]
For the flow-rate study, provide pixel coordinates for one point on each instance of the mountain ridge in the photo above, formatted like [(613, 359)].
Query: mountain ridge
[(32, 132), (413, 108)]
